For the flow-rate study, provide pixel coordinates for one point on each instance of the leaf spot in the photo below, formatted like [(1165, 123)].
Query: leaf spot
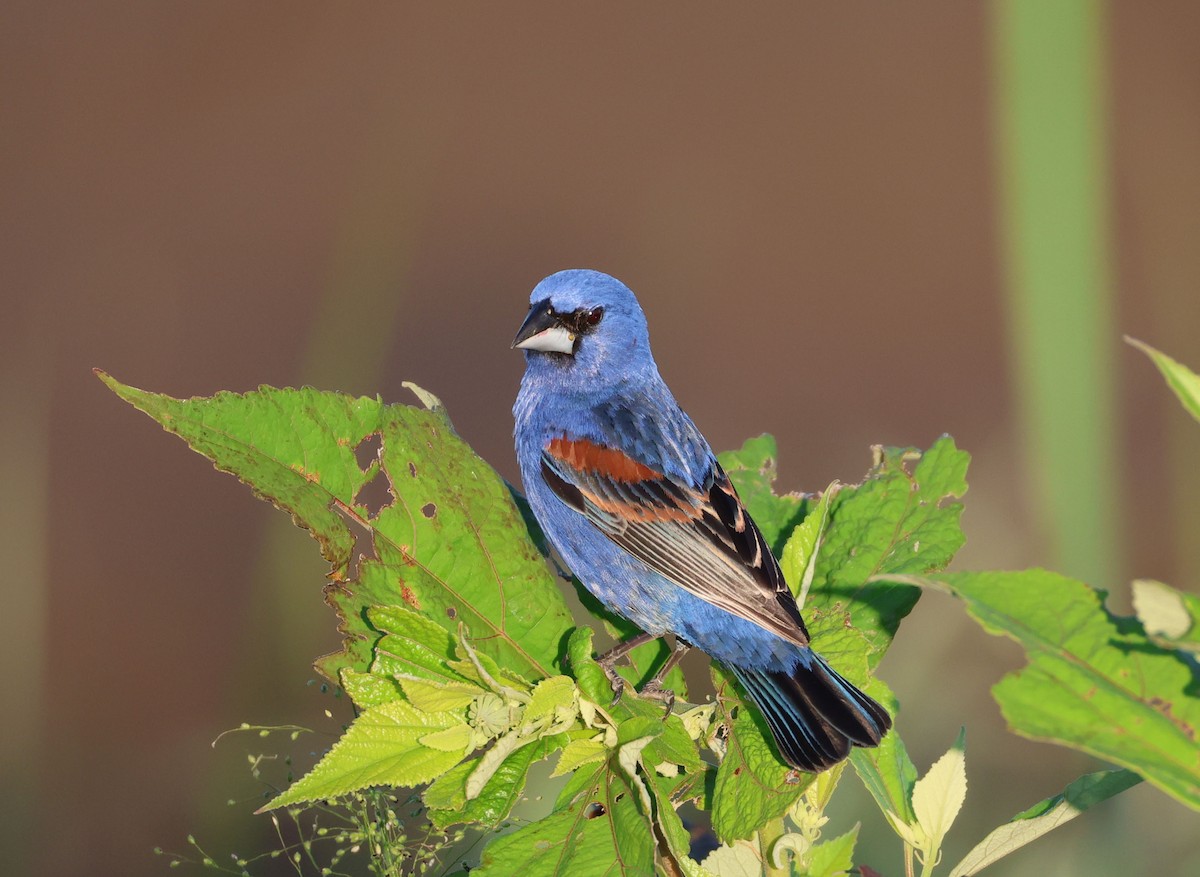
[(429, 509)]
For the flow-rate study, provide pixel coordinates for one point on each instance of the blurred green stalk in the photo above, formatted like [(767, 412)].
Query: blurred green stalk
[(1050, 99)]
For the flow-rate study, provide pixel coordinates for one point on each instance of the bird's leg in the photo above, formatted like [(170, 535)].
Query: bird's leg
[(654, 688), (608, 661)]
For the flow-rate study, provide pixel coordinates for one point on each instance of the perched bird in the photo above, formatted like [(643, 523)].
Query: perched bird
[(632, 497)]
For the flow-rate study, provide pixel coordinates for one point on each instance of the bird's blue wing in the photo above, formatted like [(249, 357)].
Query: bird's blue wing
[(698, 536)]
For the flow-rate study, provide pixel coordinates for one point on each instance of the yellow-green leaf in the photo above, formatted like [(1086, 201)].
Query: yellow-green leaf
[(938, 796), (579, 752), (1183, 381), (381, 748)]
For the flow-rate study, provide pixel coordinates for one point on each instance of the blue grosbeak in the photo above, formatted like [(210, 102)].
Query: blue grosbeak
[(632, 497)]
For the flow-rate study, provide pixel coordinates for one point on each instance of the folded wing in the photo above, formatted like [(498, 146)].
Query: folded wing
[(697, 536)]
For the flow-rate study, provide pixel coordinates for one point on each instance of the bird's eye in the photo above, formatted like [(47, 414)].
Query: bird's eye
[(593, 316)]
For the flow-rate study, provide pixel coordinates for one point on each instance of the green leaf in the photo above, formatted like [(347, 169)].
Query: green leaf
[(447, 800), (436, 697), (903, 518), (752, 785), (456, 738), (1094, 682), (1045, 816), (367, 690), (598, 830), (799, 557), (578, 753), (1182, 380), (752, 470), (845, 648), (886, 770), (670, 827), (939, 795), (673, 746), (833, 857), (590, 678), (450, 543), (409, 644), (381, 748), (550, 695)]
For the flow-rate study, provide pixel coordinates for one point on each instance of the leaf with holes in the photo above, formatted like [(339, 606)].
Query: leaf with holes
[(752, 785), (903, 518), (450, 543), (597, 828)]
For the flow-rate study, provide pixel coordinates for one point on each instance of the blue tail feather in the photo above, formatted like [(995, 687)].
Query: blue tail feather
[(814, 714)]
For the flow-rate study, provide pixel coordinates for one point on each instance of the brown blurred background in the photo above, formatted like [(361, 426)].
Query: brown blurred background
[(212, 196)]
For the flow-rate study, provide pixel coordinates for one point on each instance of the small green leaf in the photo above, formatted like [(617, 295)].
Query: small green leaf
[(367, 689), (799, 557), (673, 746), (381, 748), (629, 756), (886, 770), (1182, 380), (939, 795), (434, 697), (410, 644), (578, 753), (1045, 816), (549, 695), (670, 827), (456, 738), (590, 678), (491, 760), (833, 857)]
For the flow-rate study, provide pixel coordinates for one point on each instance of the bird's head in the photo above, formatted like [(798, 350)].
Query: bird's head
[(587, 324)]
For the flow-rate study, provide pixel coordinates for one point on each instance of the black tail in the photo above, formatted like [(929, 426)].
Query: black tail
[(814, 714)]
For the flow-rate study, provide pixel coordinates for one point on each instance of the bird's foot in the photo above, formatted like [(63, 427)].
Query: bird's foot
[(615, 680), (608, 662), (654, 690)]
